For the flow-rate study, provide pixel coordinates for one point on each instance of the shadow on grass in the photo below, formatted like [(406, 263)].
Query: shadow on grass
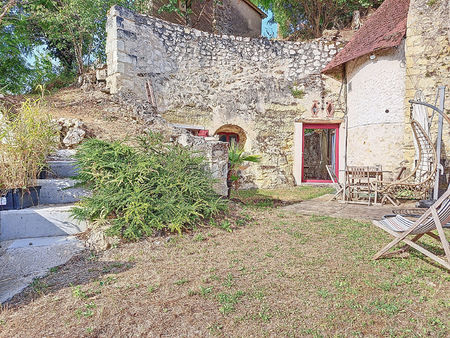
[(413, 254), (79, 270), (261, 201), (272, 198)]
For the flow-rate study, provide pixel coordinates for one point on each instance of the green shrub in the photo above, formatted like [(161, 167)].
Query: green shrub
[(146, 188), (297, 93), (236, 158)]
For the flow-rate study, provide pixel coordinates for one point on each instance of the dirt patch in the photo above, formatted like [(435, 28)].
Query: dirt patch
[(275, 273), (101, 116)]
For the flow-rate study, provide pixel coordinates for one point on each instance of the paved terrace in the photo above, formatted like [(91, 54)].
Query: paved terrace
[(322, 206)]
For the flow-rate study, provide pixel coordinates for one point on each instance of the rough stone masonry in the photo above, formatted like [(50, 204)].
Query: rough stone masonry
[(427, 63), (224, 83)]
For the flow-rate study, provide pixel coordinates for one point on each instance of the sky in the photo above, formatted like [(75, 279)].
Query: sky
[(269, 30)]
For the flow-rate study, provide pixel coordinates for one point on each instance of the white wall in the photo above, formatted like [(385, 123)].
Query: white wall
[(373, 87), (298, 152)]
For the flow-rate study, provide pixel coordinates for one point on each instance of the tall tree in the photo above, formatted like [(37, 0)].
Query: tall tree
[(309, 18), (6, 7), (16, 44), (73, 31)]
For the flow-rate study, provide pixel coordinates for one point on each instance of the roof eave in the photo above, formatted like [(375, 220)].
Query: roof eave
[(256, 8), (327, 70)]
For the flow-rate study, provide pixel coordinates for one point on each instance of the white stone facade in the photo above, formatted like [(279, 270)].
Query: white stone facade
[(375, 101)]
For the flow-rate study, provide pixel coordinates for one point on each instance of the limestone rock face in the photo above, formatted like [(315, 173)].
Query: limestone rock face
[(222, 83), (72, 132), (74, 137), (98, 241), (427, 64), (101, 72)]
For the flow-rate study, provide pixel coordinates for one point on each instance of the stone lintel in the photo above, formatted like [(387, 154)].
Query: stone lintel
[(320, 121)]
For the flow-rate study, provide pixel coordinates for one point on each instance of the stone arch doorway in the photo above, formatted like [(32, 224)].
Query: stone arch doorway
[(231, 132)]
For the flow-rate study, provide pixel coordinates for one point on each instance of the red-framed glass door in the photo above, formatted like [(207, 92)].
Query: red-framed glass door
[(228, 137), (320, 147)]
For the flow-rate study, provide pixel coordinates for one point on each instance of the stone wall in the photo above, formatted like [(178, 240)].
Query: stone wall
[(236, 17), (427, 63), (375, 100), (210, 81)]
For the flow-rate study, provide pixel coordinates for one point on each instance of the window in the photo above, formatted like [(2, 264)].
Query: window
[(228, 137)]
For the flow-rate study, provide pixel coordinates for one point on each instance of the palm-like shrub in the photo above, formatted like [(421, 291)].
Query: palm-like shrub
[(143, 189), (236, 158)]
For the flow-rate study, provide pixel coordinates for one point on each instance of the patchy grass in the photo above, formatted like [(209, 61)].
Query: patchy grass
[(277, 197), (279, 274)]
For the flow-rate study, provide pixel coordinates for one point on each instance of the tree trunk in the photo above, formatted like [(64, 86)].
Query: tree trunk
[(79, 58)]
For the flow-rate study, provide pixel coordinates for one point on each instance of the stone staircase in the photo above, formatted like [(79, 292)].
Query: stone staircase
[(35, 239), (52, 216)]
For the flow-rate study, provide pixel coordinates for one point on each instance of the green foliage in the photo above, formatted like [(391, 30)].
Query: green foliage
[(15, 46), (77, 25), (228, 301), (226, 225), (236, 158), (297, 93), (172, 7), (143, 189), (77, 292), (72, 32), (308, 18), (28, 137)]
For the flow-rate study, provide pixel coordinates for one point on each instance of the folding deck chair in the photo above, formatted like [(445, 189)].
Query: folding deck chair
[(435, 218), (339, 188)]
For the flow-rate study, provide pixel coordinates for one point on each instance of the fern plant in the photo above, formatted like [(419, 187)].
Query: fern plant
[(143, 189)]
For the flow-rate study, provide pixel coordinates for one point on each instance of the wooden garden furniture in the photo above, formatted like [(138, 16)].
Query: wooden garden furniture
[(418, 184), (339, 188), (436, 218), (360, 183)]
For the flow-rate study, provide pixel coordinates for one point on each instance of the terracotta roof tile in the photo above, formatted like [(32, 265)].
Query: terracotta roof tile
[(384, 29)]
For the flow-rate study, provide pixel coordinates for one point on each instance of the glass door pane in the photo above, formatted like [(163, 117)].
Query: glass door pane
[(319, 150)]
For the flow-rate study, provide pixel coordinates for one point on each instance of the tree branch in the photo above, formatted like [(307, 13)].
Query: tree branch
[(6, 9)]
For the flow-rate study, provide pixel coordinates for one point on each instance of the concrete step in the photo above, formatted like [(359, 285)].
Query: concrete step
[(23, 260), (62, 169), (59, 191), (41, 221)]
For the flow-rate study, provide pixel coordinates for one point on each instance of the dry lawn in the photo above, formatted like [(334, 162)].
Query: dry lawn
[(279, 197), (275, 274)]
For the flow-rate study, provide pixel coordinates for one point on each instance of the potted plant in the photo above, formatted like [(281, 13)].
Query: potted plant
[(236, 159), (27, 137)]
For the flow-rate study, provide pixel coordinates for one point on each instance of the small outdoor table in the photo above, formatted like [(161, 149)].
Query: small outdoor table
[(361, 184)]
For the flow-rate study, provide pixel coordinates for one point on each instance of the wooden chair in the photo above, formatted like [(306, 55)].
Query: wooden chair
[(339, 188), (417, 185), (435, 218), (359, 189)]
